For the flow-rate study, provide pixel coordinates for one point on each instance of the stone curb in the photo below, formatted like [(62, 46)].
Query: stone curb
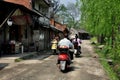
[(33, 55)]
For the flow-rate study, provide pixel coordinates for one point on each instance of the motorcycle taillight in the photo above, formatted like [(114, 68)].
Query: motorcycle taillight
[(63, 56), (63, 47)]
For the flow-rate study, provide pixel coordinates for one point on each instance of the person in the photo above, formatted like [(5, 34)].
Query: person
[(77, 42), (54, 45), (66, 42)]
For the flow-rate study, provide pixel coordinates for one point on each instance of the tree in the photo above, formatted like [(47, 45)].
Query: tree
[(102, 18), (55, 6), (70, 15)]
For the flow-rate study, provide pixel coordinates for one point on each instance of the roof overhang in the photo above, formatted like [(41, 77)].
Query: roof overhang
[(82, 31), (8, 9), (54, 28), (23, 8)]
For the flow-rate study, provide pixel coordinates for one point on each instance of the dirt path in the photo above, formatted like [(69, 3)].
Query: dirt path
[(89, 67), (84, 68)]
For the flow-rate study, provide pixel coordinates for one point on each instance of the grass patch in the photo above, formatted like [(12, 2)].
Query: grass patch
[(113, 71), (18, 60), (110, 72), (93, 40), (29, 56)]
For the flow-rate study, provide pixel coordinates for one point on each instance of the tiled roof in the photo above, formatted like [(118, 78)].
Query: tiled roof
[(26, 3), (58, 25)]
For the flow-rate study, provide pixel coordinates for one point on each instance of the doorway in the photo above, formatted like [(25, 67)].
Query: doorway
[(14, 32)]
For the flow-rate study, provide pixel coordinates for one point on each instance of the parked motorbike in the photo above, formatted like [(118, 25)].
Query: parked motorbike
[(64, 58)]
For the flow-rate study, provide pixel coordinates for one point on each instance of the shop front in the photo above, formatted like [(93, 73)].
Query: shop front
[(16, 33)]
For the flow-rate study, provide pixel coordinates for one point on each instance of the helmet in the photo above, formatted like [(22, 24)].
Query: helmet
[(76, 36)]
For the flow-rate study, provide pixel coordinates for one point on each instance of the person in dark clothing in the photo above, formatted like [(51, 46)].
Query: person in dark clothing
[(77, 43)]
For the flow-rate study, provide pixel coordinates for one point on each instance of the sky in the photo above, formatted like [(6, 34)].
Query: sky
[(67, 1)]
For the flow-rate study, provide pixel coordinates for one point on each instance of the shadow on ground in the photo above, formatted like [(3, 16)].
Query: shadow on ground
[(3, 65), (70, 69)]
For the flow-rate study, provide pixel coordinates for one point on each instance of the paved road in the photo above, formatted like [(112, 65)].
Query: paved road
[(86, 67)]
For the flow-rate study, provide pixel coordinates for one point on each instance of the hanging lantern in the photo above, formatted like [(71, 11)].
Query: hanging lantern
[(9, 22)]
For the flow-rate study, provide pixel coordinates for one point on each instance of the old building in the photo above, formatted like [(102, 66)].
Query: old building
[(41, 24), (26, 23), (58, 29), (12, 36), (23, 25)]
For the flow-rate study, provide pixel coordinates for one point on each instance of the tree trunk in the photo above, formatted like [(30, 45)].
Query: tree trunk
[(101, 39)]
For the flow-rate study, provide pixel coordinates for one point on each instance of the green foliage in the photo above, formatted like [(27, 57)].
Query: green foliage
[(63, 8), (110, 71), (101, 17), (70, 15), (107, 50), (93, 40)]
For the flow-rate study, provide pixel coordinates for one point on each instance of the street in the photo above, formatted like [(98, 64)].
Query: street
[(86, 67)]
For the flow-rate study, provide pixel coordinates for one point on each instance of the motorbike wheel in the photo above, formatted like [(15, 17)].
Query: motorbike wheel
[(63, 66), (77, 54)]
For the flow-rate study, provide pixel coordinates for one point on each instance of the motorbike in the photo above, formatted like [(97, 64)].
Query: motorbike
[(77, 50), (64, 58)]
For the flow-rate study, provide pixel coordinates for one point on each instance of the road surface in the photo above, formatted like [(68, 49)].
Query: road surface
[(87, 67)]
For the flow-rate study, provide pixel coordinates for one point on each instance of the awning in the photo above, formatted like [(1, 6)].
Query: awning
[(7, 9), (25, 9), (2, 22), (21, 20), (54, 28), (6, 12), (82, 31)]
